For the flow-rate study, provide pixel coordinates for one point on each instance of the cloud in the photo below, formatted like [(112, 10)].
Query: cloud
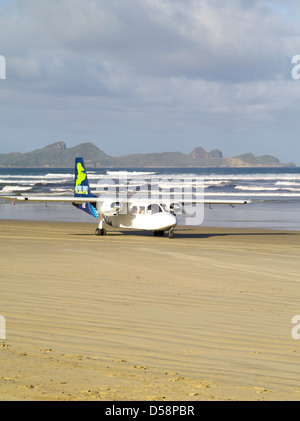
[(198, 39), (200, 66)]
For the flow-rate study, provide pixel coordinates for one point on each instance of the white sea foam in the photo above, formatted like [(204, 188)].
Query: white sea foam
[(230, 177), (266, 188), (216, 183), (277, 194), (259, 183), (287, 183), (47, 176), (129, 173), (57, 175), (31, 182), (58, 190), (257, 188), (9, 189)]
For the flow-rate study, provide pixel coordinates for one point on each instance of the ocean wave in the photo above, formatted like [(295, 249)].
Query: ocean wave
[(31, 176), (130, 173), (220, 193), (219, 183), (181, 184), (243, 177), (257, 188), (215, 184), (57, 175), (265, 188), (31, 182), (212, 179), (158, 183), (46, 183), (10, 189), (58, 190), (18, 183), (287, 183), (277, 194)]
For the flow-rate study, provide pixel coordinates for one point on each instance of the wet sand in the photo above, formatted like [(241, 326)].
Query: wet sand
[(130, 316)]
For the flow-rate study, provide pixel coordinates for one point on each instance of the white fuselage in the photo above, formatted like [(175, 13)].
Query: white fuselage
[(151, 217)]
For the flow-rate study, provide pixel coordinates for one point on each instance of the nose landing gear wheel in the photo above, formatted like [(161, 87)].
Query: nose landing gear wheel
[(171, 234)]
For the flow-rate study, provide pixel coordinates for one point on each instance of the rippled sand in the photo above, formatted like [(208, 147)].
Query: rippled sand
[(130, 316)]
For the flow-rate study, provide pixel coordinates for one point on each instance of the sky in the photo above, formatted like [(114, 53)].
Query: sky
[(139, 76)]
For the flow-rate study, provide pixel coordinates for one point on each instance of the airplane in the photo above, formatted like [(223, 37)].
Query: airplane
[(157, 215)]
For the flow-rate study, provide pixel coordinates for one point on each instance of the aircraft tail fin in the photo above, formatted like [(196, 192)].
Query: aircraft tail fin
[(82, 189)]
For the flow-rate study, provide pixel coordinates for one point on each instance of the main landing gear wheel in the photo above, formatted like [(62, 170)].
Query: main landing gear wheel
[(158, 233), (100, 231)]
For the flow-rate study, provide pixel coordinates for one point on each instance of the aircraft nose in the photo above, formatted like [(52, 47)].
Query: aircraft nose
[(173, 220)]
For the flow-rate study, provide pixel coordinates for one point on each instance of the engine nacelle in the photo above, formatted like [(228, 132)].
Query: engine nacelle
[(175, 207), (111, 208)]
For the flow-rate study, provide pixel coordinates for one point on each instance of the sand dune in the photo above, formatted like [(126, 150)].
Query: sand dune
[(206, 316)]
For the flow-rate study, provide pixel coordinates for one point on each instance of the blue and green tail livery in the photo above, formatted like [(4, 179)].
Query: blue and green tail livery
[(82, 188)]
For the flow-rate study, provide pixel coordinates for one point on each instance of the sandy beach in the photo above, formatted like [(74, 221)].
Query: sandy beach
[(130, 316)]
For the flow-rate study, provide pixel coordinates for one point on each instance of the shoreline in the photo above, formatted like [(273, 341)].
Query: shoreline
[(130, 316), (180, 228), (283, 166), (251, 216)]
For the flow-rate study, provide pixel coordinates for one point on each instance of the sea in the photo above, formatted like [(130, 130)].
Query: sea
[(274, 193)]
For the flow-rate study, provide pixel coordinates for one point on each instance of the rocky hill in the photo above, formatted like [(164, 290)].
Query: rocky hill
[(57, 155)]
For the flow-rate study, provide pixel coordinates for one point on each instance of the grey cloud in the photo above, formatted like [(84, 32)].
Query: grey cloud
[(198, 39), (165, 65)]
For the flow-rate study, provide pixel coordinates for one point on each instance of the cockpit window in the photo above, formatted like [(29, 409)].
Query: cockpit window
[(154, 208), (137, 209), (151, 209)]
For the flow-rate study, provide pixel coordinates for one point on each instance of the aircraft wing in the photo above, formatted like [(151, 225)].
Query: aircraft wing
[(66, 199), (219, 202), (187, 201), (72, 199)]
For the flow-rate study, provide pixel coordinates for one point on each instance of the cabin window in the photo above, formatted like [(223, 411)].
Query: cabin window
[(133, 209)]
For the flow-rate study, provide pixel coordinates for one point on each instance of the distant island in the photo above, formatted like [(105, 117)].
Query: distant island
[(57, 155)]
